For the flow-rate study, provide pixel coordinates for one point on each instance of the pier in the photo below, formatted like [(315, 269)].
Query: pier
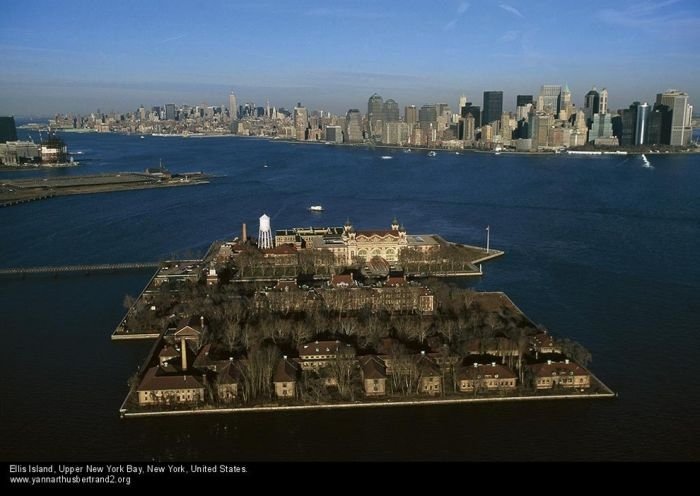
[(78, 268)]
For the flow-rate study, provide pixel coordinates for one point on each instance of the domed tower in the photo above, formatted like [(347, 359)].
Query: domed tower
[(395, 224)]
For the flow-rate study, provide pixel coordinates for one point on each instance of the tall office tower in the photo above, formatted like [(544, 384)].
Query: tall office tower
[(353, 126), (301, 121), (601, 127), (522, 100), (427, 114), (8, 129), (462, 103), (635, 124), (170, 114), (390, 111), (468, 128), (375, 114), (267, 109), (679, 130), (591, 105), (565, 107), (232, 106), (505, 131), (493, 106), (540, 125), (410, 114), (334, 134), (603, 102), (522, 111), (550, 99), (474, 111)]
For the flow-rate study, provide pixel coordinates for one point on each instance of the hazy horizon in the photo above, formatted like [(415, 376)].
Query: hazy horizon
[(116, 57)]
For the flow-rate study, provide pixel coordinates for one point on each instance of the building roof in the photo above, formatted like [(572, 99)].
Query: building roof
[(381, 233), (396, 281), (168, 352), (286, 371), (286, 285), (285, 249), (372, 367), (557, 369), (155, 380), (318, 348), (427, 367), (230, 373), (342, 280), (480, 371)]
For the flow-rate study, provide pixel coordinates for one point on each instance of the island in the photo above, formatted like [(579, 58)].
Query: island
[(334, 317)]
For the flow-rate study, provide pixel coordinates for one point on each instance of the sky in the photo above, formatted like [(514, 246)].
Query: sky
[(83, 55)]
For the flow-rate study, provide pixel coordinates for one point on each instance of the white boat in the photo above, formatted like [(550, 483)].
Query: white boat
[(387, 157), (432, 153), (142, 136), (316, 208), (407, 150)]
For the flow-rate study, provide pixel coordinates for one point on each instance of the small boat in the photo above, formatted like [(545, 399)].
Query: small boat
[(432, 153), (387, 157), (316, 208), (407, 150), (142, 136), (265, 166)]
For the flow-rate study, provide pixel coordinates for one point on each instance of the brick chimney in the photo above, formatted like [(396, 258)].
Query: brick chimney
[(183, 354), (244, 233)]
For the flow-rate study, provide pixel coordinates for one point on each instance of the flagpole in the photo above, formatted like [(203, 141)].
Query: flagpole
[(488, 238)]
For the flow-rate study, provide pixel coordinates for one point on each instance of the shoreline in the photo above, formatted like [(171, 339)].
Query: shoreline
[(125, 413)]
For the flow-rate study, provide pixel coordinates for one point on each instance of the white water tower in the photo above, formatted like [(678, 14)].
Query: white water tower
[(265, 233)]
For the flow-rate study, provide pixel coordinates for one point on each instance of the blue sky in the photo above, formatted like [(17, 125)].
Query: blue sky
[(60, 56)]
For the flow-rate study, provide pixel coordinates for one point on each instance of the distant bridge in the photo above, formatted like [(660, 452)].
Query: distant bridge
[(78, 268)]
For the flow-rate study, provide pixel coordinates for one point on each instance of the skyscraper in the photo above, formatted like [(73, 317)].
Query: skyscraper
[(353, 126), (591, 105), (232, 106), (603, 105), (410, 114), (550, 99), (493, 106), (680, 130), (474, 111), (390, 111), (301, 121), (170, 113), (522, 100), (375, 114), (635, 124)]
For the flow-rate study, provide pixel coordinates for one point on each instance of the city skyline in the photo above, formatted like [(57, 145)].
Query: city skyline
[(333, 58)]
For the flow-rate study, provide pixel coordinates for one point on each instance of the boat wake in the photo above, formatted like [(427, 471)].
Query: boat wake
[(646, 164)]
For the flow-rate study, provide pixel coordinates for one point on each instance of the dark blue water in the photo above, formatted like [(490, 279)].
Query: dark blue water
[(599, 249)]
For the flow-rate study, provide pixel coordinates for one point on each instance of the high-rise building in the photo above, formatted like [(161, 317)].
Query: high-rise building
[(301, 121), (635, 125), (353, 126), (549, 100), (334, 134), (410, 114), (468, 128), (232, 106), (565, 106), (427, 114), (390, 111), (601, 128), (591, 105), (603, 103), (8, 129), (395, 133), (680, 130), (493, 106), (522, 100), (474, 111), (170, 113), (462, 103), (375, 114)]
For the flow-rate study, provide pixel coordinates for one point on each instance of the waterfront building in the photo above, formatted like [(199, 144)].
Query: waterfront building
[(430, 381), (301, 121), (565, 374), (493, 106), (353, 126), (486, 377), (160, 388), (601, 130), (334, 134), (541, 123), (395, 133), (487, 133), (635, 125), (171, 112), (468, 128), (285, 378), (677, 132), (374, 373)]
